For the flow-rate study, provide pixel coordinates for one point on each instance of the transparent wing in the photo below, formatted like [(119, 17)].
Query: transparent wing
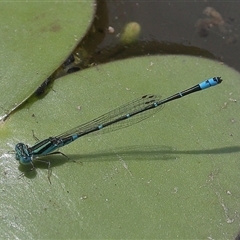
[(137, 110)]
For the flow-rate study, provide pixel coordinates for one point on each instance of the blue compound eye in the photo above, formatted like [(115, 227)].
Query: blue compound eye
[(25, 159), (22, 153)]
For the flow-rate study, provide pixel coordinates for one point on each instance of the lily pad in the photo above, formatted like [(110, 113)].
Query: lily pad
[(36, 38), (174, 175)]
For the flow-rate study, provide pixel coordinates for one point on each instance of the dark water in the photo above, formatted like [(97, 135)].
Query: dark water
[(179, 27), (201, 28)]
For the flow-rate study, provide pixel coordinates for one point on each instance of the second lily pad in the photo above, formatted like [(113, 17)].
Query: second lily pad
[(174, 175)]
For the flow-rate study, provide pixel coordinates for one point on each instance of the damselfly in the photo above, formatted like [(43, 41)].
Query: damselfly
[(124, 116)]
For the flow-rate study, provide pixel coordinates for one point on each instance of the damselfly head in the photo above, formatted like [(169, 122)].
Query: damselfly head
[(22, 154)]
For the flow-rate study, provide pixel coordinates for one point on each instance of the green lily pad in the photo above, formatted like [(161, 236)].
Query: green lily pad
[(174, 175), (36, 38)]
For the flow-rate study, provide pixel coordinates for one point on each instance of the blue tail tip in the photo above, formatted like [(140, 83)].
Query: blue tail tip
[(210, 82)]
